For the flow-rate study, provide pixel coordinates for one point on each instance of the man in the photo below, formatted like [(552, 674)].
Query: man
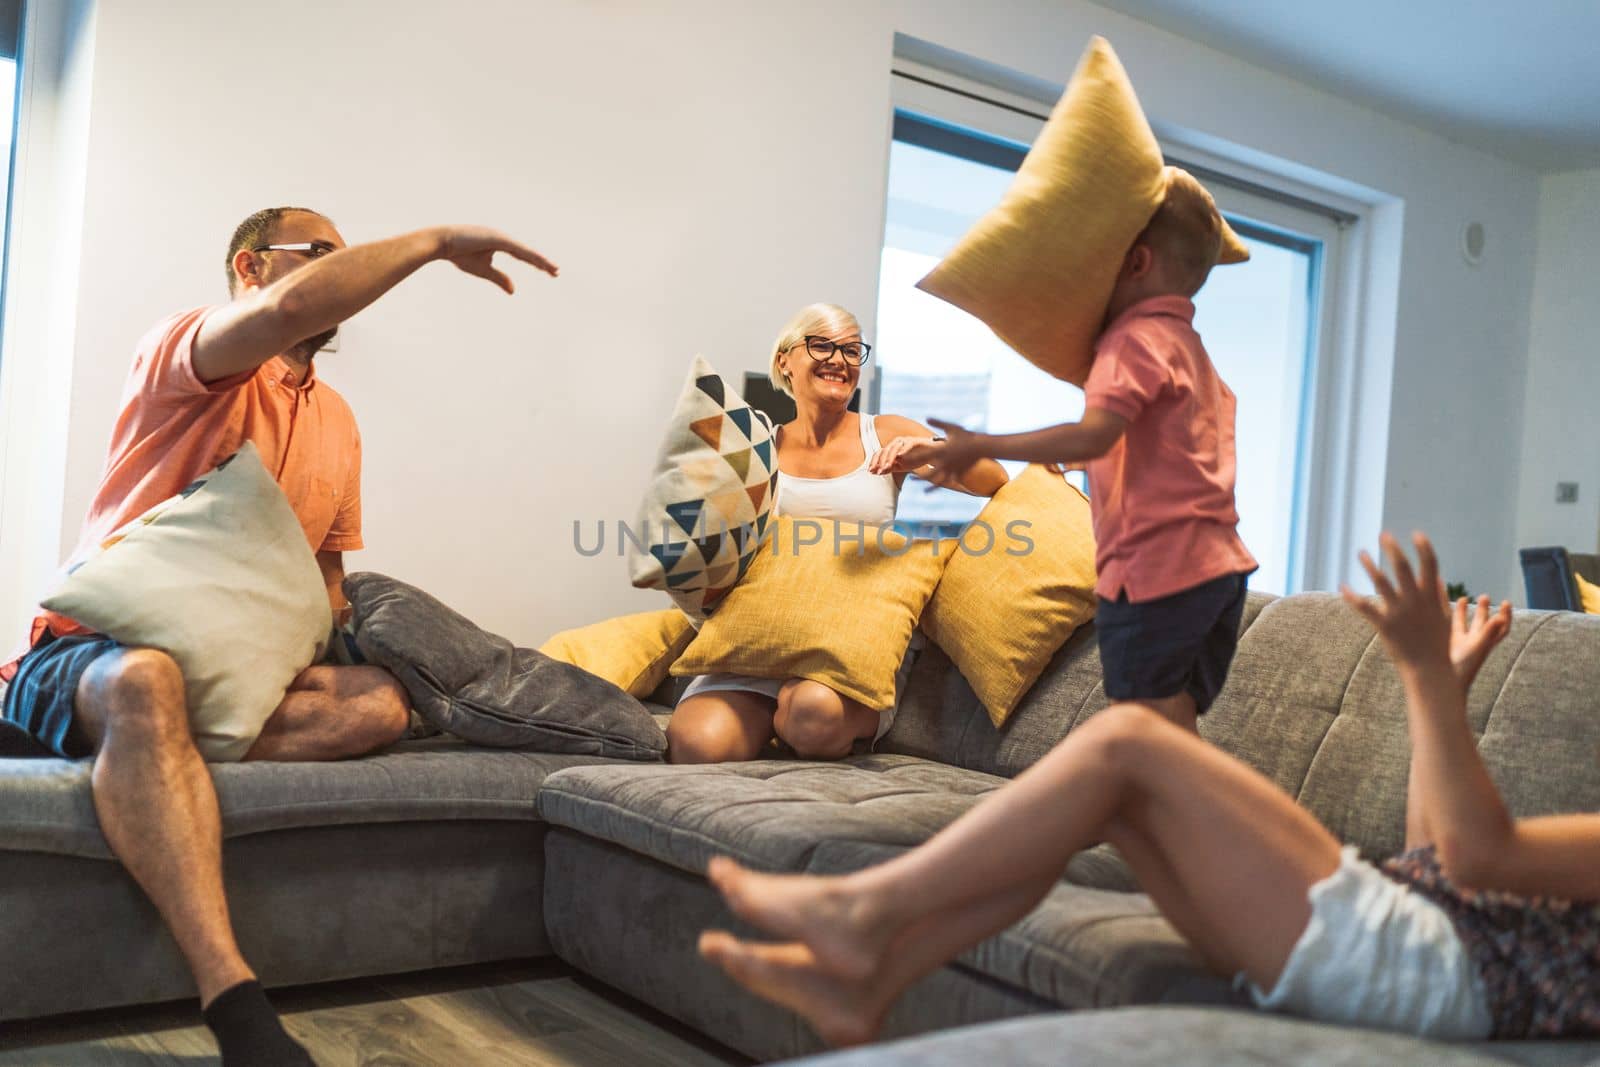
[(202, 382)]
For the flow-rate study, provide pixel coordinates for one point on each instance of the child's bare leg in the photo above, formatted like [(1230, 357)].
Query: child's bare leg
[(851, 1011), (1209, 838)]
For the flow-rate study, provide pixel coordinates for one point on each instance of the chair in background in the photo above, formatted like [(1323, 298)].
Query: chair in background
[(1548, 574)]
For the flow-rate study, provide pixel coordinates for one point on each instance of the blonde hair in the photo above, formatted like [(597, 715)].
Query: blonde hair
[(811, 320), (1186, 231)]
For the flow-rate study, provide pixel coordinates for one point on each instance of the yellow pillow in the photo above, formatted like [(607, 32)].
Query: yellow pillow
[(632, 652), (1588, 596), (1001, 614), (840, 614), (1040, 266)]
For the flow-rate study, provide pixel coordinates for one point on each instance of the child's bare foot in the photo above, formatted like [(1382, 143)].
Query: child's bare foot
[(840, 1011), (835, 925)]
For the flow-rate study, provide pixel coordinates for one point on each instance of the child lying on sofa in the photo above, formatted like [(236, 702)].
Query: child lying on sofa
[(1157, 436), (1485, 926)]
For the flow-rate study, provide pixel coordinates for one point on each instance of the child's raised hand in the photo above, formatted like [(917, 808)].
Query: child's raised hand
[(1409, 612), (1472, 640)]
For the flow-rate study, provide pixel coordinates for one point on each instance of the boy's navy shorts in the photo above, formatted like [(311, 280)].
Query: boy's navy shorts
[(1181, 643)]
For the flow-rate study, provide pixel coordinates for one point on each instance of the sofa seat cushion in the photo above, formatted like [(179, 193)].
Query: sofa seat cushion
[(769, 814), (1155, 1037), (46, 806), (1083, 947)]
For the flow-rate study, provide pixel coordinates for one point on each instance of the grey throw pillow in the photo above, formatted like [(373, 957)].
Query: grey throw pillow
[(481, 688)]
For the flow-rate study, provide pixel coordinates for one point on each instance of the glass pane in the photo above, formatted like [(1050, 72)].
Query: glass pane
[(1254, 318), (934, 358)]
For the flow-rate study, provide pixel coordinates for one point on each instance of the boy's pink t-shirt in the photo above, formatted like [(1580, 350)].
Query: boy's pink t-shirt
[(1162, 497), (173, 428)]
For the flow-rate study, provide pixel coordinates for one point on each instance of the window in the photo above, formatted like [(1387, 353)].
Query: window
[(1263, 323)]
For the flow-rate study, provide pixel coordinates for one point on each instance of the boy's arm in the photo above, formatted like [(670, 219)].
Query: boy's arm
[(1071, 442)]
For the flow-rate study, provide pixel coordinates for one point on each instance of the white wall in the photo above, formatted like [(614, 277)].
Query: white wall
[(1561, 436), (41, 309), (664, 156)]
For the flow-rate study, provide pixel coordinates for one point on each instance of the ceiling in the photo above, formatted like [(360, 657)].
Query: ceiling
[(1519, 78)]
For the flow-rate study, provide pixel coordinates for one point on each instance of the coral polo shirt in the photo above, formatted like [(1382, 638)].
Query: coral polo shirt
[(173, 428), (1162, 497)]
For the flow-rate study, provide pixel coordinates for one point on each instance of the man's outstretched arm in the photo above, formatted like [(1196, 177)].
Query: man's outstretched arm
[(242, 335)]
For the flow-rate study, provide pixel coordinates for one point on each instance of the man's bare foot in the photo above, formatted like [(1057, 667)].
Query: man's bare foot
[(840, 1011), (835, 925)]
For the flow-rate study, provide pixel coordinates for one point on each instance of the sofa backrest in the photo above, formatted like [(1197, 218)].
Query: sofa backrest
[(1314, 703)]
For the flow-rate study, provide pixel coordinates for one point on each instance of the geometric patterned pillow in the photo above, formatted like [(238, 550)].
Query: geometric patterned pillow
[(705, 513)]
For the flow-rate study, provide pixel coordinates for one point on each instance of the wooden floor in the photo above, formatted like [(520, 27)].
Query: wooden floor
[(535, 1014)]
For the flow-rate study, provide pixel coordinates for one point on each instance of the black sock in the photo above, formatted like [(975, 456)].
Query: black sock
[(249, 1032)]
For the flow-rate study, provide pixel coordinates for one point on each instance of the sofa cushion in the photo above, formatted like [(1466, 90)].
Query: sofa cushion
[(1314, 703), (940, 718), (770, 814), (1083, 947), (480, 687), (1156, 1037), (46, 806)]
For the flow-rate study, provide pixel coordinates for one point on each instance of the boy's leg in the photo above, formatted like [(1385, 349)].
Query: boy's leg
[(1226, 855)]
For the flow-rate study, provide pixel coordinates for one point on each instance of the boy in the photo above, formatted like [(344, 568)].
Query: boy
[(1157, 442)]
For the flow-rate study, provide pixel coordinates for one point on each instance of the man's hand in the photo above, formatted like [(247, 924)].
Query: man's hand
[(1414, 619), (472, 249)]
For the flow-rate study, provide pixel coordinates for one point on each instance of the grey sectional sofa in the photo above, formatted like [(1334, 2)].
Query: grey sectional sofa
[(436, 853)]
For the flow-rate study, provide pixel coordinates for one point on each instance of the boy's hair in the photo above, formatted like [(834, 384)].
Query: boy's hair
[(1185, 231)]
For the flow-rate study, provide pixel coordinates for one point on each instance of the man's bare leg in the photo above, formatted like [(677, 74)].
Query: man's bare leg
[(332, 713), (157, 806), (1208, 837)]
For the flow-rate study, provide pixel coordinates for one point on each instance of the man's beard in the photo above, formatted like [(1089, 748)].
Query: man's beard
[(312, 345)]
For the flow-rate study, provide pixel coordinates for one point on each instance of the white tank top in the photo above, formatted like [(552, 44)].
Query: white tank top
[(859, 496)]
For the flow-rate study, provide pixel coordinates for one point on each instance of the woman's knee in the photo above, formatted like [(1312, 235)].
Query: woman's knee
[(709, 731), (813, 720)]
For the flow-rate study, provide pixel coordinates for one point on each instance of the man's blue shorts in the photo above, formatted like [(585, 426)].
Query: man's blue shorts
[(1182, 643), (40, 698)]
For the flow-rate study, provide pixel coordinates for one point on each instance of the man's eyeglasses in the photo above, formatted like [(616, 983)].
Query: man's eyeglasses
[(821, 349), (309, 249)]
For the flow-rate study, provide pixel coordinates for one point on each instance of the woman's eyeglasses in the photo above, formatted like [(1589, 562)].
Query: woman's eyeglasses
[(821, 349)]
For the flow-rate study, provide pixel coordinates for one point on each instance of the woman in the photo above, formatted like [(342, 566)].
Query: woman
[(1251, 880), (832, 464)]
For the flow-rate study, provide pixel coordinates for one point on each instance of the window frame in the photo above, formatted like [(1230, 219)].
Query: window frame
[(948, 111)]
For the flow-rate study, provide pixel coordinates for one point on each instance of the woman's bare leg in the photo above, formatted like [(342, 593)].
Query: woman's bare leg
[(818, 723), (720, 726), (1209, 838)]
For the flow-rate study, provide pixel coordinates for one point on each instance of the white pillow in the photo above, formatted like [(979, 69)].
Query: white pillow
[(219, 577), (707, 507)]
